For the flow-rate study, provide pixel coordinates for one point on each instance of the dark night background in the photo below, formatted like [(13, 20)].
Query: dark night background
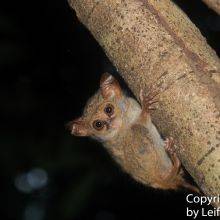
[(50, 65)]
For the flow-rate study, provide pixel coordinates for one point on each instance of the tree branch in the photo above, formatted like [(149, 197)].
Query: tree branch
[(213, 4), (153, 43)]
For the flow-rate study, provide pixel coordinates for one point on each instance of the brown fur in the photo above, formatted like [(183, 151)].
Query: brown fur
[(130, 136)]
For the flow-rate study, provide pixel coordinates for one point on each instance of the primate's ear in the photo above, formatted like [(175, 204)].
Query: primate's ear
[(109, 86), (78, 127)]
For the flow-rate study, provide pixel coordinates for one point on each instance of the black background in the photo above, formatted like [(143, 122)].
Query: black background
[(50, 65)]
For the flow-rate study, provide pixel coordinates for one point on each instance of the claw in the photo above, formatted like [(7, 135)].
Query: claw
[(148, 100), (169, 145), (170, 149)]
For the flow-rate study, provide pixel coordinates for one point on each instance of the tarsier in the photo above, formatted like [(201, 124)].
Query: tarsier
[(125, 128)]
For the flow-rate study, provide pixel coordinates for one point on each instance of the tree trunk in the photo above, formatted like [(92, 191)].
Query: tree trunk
[(154, 44), (214, 5)]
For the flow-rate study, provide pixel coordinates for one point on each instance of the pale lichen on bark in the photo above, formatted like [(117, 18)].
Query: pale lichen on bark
[(154, 44)]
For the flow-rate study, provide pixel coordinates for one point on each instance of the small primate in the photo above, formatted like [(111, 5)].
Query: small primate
[(125, 129)]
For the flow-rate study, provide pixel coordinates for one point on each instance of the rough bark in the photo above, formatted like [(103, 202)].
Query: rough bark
[(153, 43), (213, 4)]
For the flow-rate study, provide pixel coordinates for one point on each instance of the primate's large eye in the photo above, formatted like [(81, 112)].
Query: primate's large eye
[(109, 110), (98, 124)]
